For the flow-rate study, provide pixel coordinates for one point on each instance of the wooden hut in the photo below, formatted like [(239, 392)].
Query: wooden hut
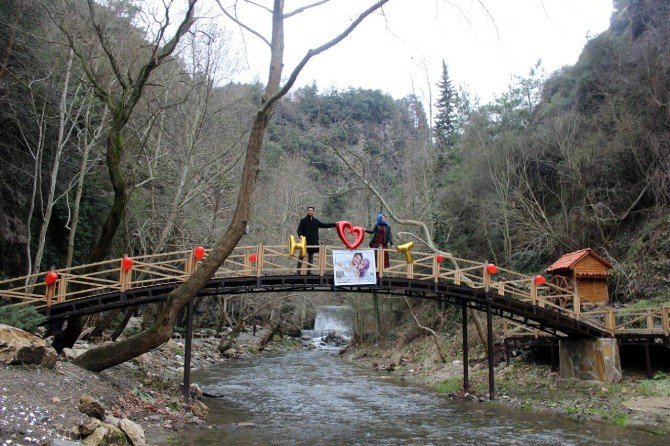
[(585, 272)]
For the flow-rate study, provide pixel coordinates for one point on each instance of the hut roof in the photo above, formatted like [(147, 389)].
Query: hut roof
[(569, 260)]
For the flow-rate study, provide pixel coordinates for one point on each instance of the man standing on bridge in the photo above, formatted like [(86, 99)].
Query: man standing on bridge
[(309, 227)]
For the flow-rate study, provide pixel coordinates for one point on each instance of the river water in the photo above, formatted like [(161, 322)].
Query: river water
[(313, 398)]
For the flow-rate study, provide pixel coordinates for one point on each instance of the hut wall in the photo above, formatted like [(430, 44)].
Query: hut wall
[(592, 290), (589, 265)]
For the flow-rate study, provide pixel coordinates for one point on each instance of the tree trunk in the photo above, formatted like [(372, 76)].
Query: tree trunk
[(124, 323), (440, 350), (274, 329), (60, 144)]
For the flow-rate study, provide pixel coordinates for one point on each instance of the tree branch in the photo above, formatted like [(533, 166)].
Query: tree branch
[(299, 10), (234, 19), (313, 52)]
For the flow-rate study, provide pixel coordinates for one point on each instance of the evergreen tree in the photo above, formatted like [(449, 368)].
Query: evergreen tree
[(445, 121)]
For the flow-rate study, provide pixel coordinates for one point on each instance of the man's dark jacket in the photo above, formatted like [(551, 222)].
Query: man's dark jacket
[(309, 227)]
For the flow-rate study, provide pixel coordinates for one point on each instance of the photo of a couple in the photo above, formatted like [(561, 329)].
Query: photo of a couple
[(354, 267)]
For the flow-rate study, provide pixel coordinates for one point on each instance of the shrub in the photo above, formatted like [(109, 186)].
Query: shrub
[(24, 318)]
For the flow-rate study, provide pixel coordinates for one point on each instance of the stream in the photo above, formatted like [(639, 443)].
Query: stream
[(311, 397)]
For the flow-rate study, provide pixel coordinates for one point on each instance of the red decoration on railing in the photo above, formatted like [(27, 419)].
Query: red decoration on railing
[(439, 258), (539, 279), (491, 268), (252, 257), (343, 227), (51, 278), (199, 252), (126, 263)]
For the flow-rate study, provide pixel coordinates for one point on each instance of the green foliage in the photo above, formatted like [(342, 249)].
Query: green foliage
[(174, 406), (24, 318), (659, 386), (144, 396), (450, 385)]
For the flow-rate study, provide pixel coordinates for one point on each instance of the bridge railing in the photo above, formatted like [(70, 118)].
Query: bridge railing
[(255, 261)]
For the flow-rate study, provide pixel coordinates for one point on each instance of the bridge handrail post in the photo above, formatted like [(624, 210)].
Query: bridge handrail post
[(650, 320), (576, 304), (610, 321), (188, 266), (486, 277), (125, 278), (533, 292), (259, 260), (436, 269), (62, 289), (380, 261), (322, 260), (49, 294), (665, 318)]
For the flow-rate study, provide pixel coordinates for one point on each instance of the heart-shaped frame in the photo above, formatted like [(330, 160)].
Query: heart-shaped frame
[(343, 227)]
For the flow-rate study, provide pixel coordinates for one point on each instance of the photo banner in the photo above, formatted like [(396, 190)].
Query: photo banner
[(354, 267)]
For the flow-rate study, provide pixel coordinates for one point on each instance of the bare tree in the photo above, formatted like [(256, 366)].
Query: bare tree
[(104, 357)]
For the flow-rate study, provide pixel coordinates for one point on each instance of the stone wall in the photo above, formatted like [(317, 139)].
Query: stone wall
[(590, 359)]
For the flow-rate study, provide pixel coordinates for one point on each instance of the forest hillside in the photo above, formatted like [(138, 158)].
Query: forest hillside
[(557, 162)]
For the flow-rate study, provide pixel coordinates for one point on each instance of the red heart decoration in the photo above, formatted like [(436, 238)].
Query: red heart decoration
[(356, 231)]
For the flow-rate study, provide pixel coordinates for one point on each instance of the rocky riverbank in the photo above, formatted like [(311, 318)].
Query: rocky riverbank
[(41, 406), (534, 386)]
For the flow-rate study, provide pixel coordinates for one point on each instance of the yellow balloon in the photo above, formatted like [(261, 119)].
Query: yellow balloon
[(292, 246), (407, 250)]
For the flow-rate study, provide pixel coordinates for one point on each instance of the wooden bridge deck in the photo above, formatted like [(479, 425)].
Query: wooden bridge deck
[(106, 285)]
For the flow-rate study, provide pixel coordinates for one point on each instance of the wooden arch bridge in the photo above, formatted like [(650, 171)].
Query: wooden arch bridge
[(525, 304)]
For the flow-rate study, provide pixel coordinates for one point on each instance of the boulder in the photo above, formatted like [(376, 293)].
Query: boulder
[(88, 427), (20, 347), (133, 431), (199, 409), (106, 435), (71, 353), (91, 407), (194, 391)]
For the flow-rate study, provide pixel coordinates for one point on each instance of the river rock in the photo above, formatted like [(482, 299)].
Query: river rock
[(106, 435), (71, 353), (194, 391), (133, 431), (20, 347), (91, 407), (199, 409), (88, 427)]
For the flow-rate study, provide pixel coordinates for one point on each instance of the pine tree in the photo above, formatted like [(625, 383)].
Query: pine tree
[(445, 121)]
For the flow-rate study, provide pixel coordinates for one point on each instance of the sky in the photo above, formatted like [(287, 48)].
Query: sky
[(484, 43)]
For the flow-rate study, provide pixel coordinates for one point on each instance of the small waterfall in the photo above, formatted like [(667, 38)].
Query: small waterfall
[(329, 318)]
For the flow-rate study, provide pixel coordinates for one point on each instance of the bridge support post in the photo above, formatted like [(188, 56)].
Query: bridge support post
[(489, 332), (647, 357), (489, 339), (187, 349), (464, 322)]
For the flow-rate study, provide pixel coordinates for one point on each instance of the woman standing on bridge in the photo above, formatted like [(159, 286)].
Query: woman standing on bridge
[(381, 237)]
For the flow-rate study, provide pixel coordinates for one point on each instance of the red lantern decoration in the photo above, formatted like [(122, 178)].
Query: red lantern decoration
[(539, 279), (252, 257), (439, 258), (51, 278), (126, 263), (199, 252), (491, 268)]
